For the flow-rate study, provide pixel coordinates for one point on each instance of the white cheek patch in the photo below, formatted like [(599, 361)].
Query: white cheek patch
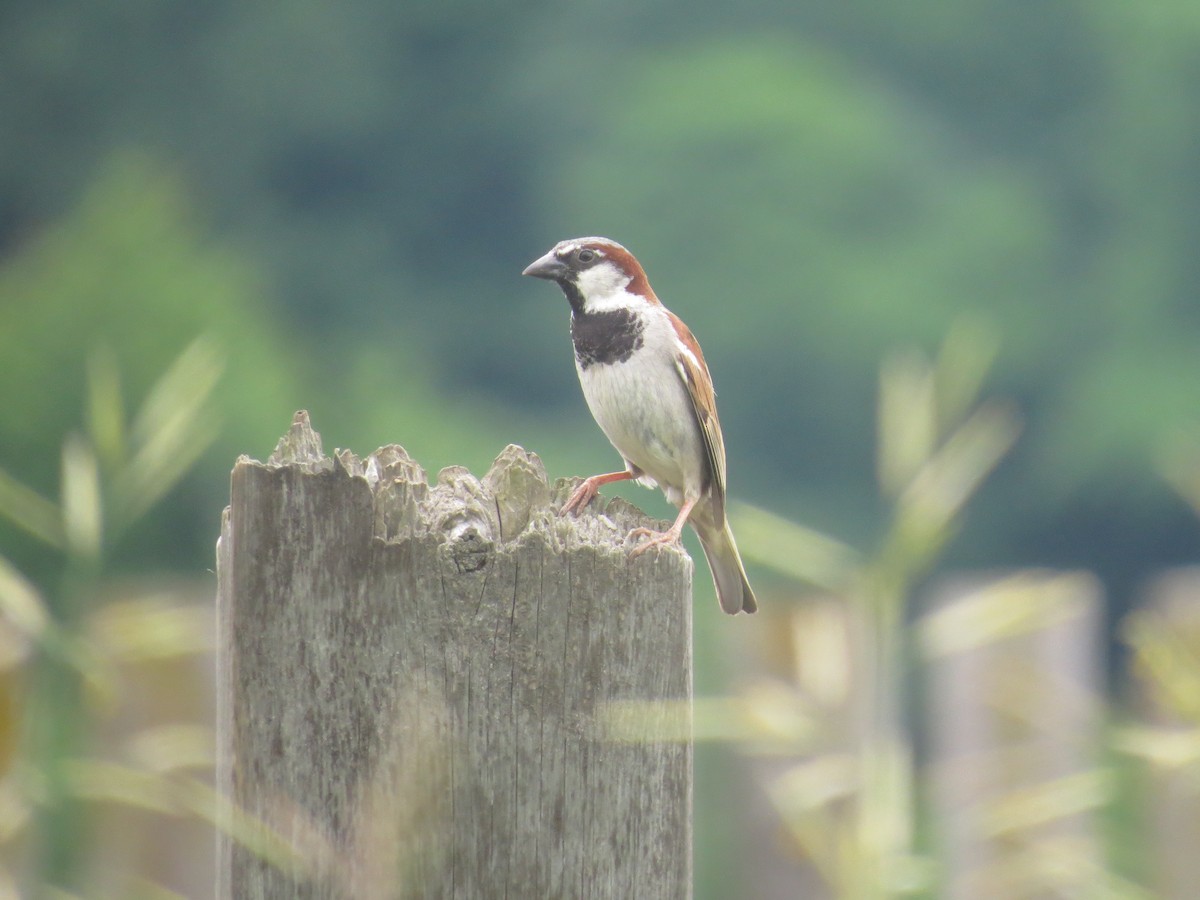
[(601, 280), (603, 289)]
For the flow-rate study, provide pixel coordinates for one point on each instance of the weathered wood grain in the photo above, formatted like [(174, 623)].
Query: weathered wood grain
[(413, 682)]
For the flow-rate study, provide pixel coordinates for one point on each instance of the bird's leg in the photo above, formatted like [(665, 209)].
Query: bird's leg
[(591, 486), (670, 536)]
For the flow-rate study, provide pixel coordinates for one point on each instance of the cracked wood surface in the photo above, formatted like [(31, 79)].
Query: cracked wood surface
[(416, 684)]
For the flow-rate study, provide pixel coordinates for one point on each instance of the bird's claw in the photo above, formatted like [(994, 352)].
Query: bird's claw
[(655, 539), (580, 497)]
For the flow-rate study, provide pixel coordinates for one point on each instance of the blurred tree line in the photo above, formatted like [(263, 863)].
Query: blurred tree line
[(343, 197)]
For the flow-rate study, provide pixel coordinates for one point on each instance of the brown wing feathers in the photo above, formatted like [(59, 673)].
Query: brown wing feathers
[(695, 375)]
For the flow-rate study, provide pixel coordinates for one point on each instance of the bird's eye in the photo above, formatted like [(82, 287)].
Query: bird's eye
[(585, 255)]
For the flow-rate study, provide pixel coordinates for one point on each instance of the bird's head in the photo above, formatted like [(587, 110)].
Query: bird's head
[(595, 273)]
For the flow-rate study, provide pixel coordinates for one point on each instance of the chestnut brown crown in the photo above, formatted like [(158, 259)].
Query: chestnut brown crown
[(568, 261)]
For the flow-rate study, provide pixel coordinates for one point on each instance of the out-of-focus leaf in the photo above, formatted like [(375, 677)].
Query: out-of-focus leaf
[(1170, 748), (101, 677), (8, 887), (775, 716), (1024, 603), (14, 804), (82, 511), (170, 432), (815, 783), (23, 620), (182, 390), (250, 832), (1047, 802), (401, 803), (885, 773), (158, 466), (105, 409), (101, 780), (768, 717), (1169, 656), (21, 603), (153, 627), (793, 550), (964, 360), (1051, 865), (907, 420), (30, 511), (645, 721), (168, 748), (821, 642), (908, 873), (1179, 462), (926, 511)]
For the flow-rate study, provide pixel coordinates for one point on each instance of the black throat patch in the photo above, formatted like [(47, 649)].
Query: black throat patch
[(606, 337)]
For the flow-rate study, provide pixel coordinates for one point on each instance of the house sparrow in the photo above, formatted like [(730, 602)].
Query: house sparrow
[(646, 383)]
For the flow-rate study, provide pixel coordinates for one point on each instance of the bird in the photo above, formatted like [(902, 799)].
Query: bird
[(648, 388)]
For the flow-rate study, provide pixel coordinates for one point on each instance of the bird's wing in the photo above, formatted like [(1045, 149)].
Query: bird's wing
[(689, 361)]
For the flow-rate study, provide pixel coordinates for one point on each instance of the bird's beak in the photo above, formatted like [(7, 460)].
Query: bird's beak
[(548, 266)]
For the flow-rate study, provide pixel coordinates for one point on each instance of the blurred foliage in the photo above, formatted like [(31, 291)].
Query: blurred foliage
[(852, 794), (124, 283), (75, 645), (850, 805), (1162, 736), (108, 478), (125, 280), (1179, 462)]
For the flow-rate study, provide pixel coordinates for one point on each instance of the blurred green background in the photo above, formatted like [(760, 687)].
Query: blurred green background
[(341, 199)]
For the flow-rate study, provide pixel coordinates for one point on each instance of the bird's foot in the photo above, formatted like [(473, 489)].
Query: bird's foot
[(582, 495), (653, 539), (590, 487)]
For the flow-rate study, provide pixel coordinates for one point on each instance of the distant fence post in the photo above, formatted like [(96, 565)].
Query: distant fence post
[(1014, 700), (1167, 628), (415, 685)]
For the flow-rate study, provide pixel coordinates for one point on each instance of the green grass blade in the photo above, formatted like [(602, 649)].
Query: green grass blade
[(21, 603), (30, 511), (793, 550), (105, 409), (82, 511)]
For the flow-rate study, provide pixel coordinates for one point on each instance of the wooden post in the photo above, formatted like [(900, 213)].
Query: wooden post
[(415, 681), (1014, 701), (1166, 633)]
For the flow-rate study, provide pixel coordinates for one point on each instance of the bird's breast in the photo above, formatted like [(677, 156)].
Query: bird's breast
[(643, 407), (608, 337)]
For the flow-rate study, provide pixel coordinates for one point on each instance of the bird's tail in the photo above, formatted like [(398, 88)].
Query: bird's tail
[(729, 575)]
